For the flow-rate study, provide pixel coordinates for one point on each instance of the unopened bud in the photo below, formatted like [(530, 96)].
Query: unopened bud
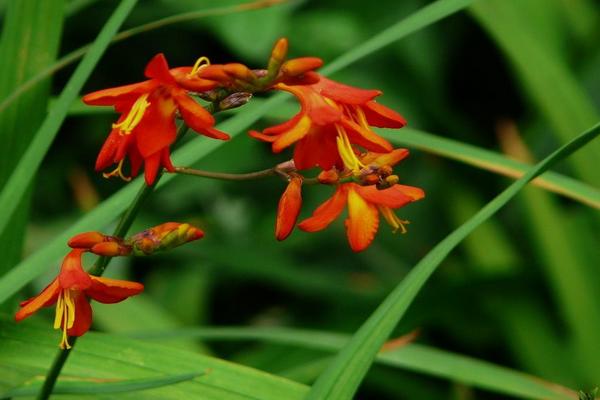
[(370, 179), (278, 54), (163, 237), (385, 171), (299, 66), (328, 177), (234, 100), (86, 240), (111, 249)]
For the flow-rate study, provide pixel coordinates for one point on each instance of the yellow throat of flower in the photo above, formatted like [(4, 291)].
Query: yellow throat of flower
[(349, 158), (198, 65), (396, 223), (134, 117), (65, 316)]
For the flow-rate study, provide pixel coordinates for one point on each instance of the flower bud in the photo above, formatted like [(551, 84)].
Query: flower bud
[(111, 249), (289, 208), (299, 66), (328, 177), (86, 240), (278, 54), (163, 237), (234, 100)]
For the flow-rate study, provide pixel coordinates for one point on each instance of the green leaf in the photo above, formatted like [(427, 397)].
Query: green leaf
[(346, 372), (92, 387), (194, 151), (27, 349), (545, 76), (24, 172), (414, 357), (492, 161)]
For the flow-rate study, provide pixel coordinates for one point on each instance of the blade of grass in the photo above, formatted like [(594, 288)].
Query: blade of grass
[(344, 375), (194, 151), (545, 76), (24, 172), (413, 357), (91, 387), (495, 162)]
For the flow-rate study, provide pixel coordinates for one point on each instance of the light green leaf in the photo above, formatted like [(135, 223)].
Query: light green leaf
[(344, 375)]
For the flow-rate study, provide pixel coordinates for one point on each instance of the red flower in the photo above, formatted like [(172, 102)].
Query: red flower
[(364, 205), (331, 114), (289, 208), (71, 291), (146, 128)]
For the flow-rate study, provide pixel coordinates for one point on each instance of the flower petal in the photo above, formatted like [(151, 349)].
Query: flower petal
[(365, 137), (151, 166), (192, 83), (111, 96), (394, 197), (106, 290), (293, 135), (380, 159), (382, 116), (327, 212), (83, 315), (289, 208), (362, 221), (109, 150), (157, 128), (46, 298), (158, 69), (72, 276), (345, 94), (317, 149), (196, 117)]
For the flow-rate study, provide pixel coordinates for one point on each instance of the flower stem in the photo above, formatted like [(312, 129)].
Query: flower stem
[(98, 269), (230, 177)]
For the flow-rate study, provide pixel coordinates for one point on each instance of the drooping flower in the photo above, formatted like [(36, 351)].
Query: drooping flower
[(365, 203), (146, 128), (71, 291), (289, 208), (331, 113)]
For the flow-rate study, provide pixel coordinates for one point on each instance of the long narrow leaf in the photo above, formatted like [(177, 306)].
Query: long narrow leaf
[(24, 172), (344, 375), (414, 357), (194, 151), (91, 387)]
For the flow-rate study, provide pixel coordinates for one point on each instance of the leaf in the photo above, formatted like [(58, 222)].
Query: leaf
[(414, 357), (194, 151), (24, 172), (27, 349), (343, 376), (92, 387), (553, 88)]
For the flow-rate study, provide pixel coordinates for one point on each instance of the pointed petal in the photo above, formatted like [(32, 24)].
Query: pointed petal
[(83, 316), (314, 105), (106, 290), (327, 212), (111, 96), (46, 298), (192, 83), (293, 135), (158, 69), (289, 208), (72, 276), (165, 160), (362, 222), (157, 128), (284, 126), (196, 117), (382, 116), (380, 159), (344, 93), (262, 136), (107, 153), (365, 137), (317, 149), (394, 197), (151, 166)]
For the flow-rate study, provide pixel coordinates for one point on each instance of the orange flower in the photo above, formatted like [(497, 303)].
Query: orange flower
[(331, 113), (71, 291), (289, 208), (364, 205), (146, 128)]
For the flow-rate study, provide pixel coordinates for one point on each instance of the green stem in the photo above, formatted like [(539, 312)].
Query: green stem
[(97, 270)]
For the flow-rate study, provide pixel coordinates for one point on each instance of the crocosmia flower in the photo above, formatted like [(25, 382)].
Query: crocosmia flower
[(71, 291), (331, 114), (146, 128), (289, 208)]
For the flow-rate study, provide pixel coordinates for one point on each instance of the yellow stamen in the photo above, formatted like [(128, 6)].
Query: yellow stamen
[(117, 172), (65, 316), (346, 151), (200, 63), (361, 118), (134, 117), (396, 223)]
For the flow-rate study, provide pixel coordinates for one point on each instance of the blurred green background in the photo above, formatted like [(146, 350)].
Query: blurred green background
[(507, 75)]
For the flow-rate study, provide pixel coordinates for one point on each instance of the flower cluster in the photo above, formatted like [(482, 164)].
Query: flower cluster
[(333, 132)]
